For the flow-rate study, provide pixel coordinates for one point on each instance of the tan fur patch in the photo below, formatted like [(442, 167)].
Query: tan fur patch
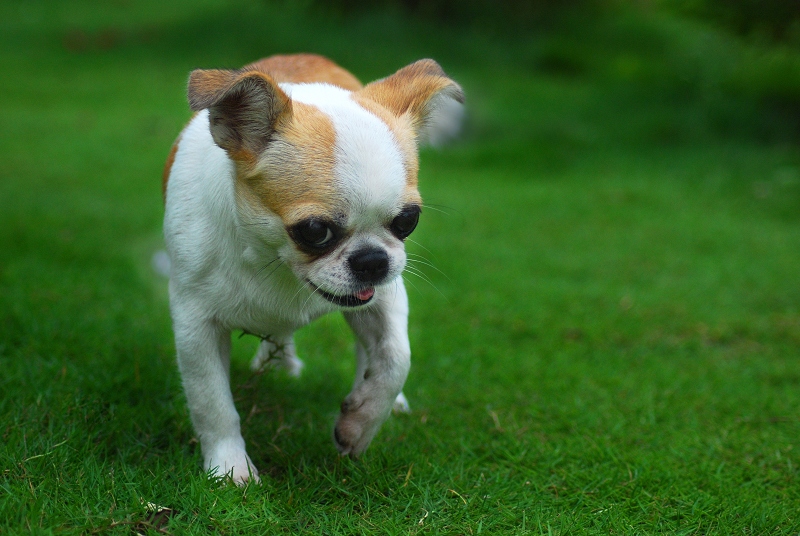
[(305, 68), (206, 85), (409, 90), (168, 167), (294, 175), (302, 144)]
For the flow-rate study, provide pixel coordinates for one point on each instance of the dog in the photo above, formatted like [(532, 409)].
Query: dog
[(289, 195)]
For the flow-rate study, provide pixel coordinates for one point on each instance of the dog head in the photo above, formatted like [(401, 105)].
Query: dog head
[(326, 177)]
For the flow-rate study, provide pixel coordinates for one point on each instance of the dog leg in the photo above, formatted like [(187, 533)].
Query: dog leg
[(204, 362), (285, 358), (383, 359)]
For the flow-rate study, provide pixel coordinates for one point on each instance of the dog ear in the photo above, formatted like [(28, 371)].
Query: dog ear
[(245, 108), (423, 91)]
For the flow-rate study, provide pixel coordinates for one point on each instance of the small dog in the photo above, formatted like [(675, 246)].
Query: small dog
[(289, 195)]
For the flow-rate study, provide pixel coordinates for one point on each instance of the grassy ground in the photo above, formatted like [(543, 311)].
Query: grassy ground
[(609, 343)]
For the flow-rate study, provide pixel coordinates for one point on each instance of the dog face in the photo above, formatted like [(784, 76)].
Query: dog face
[(326, 178)]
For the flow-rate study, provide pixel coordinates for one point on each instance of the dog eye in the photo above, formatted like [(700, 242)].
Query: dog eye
[(312, 233), (405, 222)]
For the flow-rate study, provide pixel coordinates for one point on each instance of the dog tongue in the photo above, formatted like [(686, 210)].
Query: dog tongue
[(365, 294)]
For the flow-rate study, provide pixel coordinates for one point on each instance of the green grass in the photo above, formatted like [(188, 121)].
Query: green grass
[(609, 343)]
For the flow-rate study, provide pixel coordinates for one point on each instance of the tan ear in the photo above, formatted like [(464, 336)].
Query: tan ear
[(421, 89), (245, 108)]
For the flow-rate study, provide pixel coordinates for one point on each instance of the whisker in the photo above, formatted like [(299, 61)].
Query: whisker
[(426, 263), (308, 298), (412, 284), (275, 269), (419, 274), (420, 245), (417, 255), (261, 270), (305, 284), (441, 208), (438, 205), (425, 278)]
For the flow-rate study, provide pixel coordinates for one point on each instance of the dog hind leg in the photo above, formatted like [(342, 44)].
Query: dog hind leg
[(281, 355)]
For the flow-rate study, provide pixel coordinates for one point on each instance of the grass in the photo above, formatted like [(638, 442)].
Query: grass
[(610, 346)]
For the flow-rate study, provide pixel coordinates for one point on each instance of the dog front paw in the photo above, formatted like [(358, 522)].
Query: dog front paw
[(230, 460), (358, 424)]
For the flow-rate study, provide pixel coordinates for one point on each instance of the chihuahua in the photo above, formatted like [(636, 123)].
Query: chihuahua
[(289, 195)]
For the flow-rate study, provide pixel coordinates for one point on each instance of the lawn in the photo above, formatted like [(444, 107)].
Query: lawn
[(605, 330)]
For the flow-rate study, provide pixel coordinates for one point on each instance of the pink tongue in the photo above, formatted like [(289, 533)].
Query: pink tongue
[(365, 294)]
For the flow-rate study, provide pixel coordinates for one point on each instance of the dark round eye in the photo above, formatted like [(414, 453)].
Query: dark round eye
[(404, 223), (313, 234)]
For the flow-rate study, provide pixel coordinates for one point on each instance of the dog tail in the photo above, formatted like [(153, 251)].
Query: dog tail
[(444, 124), (161, 263)]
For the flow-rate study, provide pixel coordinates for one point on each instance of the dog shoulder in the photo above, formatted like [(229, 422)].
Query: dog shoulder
[(170, 162), (194, 161)]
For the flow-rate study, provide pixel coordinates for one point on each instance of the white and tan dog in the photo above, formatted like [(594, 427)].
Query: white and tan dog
[(289, 195)]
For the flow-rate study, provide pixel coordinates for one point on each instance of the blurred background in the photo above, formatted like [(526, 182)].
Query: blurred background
[(607, 278)]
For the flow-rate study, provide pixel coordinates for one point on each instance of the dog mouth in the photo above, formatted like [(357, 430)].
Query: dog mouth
[(356, 299)]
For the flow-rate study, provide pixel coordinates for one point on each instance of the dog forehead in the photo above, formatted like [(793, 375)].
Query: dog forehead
[(369, 169)]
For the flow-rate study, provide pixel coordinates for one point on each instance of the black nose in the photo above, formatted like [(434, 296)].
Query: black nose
[(369, 265)]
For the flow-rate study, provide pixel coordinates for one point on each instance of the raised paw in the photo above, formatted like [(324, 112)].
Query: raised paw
[(358, 423)]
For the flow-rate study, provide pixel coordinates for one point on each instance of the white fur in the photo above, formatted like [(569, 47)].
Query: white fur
[(235, 269), (369, 167)]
